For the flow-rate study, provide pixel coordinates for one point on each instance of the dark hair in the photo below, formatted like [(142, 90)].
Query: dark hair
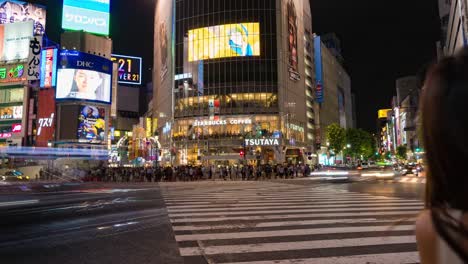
[(444, 107)]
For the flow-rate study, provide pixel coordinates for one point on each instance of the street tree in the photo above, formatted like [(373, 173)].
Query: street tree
[(336, 137), (361, 143), (401, 152)]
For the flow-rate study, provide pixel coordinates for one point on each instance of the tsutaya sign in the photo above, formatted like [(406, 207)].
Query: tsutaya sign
[(262, 142), (222, 122)]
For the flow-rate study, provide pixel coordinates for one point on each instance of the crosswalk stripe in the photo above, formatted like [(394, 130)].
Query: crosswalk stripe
[(295, 232), (188, 205), (273, 197), (279, 217), (269, 247), (260, 223), (310, 206), (241, 200), (224, 213), (285, 224), (387, 258)]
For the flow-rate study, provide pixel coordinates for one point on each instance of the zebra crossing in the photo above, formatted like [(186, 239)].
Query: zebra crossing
[(268, 222)]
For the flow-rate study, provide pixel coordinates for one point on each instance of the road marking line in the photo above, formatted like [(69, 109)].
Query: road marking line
[(310, 206), (303, 245), (295, 211), (236, 204), (291, 233), (24, 202), (287, 224), (278, 217), (387, 258)]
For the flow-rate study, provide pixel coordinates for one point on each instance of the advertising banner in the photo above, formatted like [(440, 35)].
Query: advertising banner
[(88, 15), (91, 124), (84, 76), (34, 60), (318, 70), (48, 68), (11, 112), (13, 11), (291, 17), (12, 73), (113, 111), (129, 69), (222, 41), (14, 40), (45, 117)]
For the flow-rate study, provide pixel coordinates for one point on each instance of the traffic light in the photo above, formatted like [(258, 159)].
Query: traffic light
[(241, 153)]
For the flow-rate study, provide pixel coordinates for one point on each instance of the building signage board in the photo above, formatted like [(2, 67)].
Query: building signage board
[(34, 60), (14, 11), (11, 112), (14, 41), (319, 93), (83, 76), (129, 69), (262, 142), (49, 68), (12, 73), (16, 128), (92, 124), (88, 15), (45, 117), (222, 122)]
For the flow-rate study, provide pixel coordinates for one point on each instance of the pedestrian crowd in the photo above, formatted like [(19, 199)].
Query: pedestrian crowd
[(194, 173)]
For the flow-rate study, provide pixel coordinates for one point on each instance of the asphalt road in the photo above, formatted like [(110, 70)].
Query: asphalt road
[(288, 221), (111, 224)]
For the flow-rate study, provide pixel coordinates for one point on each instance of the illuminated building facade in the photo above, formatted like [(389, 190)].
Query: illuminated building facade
[(229, 71)]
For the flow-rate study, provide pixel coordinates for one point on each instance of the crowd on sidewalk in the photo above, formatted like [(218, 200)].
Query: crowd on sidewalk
[(194, 173)]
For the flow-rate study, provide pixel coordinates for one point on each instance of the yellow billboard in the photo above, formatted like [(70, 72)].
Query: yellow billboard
[(222, 41), (383, 113)]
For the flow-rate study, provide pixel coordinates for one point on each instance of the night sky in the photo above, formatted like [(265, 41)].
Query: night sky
[(381, 40)]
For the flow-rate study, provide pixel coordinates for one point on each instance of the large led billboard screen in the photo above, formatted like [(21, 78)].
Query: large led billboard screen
[(222, 41), (88, 15), (91, 123), (13, 11), (83, 76)]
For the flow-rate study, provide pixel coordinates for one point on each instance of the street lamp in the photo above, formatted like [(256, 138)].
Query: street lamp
[(348, 145)]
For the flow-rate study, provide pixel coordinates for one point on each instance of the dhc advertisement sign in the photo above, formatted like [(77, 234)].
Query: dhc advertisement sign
[(88, 15), (82, 76)]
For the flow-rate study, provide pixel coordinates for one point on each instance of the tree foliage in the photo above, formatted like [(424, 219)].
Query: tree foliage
[(336, 137), (361, 143), (401, 152)]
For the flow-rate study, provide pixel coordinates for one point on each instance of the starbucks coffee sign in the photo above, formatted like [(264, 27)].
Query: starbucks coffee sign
[(262, 142)]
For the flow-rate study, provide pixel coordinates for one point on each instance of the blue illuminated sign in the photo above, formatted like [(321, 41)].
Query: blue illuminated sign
[(318, 70), (48, 68), (88, 15)]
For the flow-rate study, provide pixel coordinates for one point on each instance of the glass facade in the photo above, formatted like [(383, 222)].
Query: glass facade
[(236, 57)]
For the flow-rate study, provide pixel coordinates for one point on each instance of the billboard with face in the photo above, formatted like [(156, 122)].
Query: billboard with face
[(88, 15), (91, 124), (222, 41), (13, 11), (83, 76)]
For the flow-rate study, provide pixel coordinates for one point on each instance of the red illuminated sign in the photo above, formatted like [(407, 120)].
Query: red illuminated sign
[(5, 135), (16, 128), (45, 117)]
